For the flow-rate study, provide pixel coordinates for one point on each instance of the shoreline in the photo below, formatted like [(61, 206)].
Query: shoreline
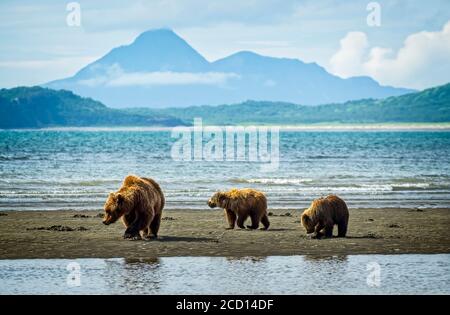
[(193, 233), (407, 126)]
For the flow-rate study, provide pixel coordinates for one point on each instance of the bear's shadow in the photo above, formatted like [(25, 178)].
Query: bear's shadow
[(367, 236), (183, 239), (264, 231), (279, 229)]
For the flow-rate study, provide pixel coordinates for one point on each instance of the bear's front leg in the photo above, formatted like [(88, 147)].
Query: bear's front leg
[(329, 230), (318, 230), (141, 223), (231, 218), (241, 219), (132, 233)]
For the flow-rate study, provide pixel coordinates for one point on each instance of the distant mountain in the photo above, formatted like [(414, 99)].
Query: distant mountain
[(37, 107), (159, 69), (431, 105)]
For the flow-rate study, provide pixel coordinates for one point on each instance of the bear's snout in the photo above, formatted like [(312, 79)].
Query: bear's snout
[(108, 219), (211, 204)]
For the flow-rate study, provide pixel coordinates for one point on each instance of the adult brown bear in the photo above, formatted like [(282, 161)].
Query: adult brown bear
[(139, 202), (323, 214), (239, 204)]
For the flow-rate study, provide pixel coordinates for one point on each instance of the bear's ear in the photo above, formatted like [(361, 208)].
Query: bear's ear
[(305, 218), (111, 195), (221, 196), (120, 198)]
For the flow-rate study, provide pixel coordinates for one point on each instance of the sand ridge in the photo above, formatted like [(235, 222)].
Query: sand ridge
[(80, 234)]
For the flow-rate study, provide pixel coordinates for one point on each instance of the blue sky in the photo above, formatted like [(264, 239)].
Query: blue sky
[(411, 47)]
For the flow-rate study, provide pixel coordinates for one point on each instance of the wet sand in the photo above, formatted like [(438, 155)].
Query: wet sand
[(80, 234)]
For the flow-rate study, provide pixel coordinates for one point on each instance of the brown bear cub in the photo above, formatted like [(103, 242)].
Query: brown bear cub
[(323, 214), (239, 204), (139, 202)]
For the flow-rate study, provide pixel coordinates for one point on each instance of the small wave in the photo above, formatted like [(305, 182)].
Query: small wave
[(420, 186), (14, 158), (345, 189), (95, 182), (273, 181), (34, 194), (324, 157), (341, 176)]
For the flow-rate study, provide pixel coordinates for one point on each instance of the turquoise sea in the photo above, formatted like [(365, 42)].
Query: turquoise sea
[(75, 169)]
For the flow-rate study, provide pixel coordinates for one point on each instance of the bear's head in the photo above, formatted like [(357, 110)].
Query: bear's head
[(307, 223), (216, 200), (114, 208)]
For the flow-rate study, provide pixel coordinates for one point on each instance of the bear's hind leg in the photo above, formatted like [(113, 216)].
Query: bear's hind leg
[(154, 225), (265, 222), (342, 229), (255, 221)]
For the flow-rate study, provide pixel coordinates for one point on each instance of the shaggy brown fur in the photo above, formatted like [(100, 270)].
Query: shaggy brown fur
[(323, 214), (139, 202), (239, 204)]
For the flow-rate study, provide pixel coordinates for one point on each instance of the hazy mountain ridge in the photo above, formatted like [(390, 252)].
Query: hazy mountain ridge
[(160, 69), (430, 105)]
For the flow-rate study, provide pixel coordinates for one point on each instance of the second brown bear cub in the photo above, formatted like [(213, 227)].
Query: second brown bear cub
[(323, 214), (139, 202), (239, 204)]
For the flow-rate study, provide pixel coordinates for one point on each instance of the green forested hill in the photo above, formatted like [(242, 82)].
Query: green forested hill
[(36, 107), (431, 105)]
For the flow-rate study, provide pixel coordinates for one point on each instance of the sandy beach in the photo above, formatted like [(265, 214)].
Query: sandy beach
[(80, 234)]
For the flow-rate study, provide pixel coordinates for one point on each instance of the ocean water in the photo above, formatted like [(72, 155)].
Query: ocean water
[(353, 274), (75, 169)]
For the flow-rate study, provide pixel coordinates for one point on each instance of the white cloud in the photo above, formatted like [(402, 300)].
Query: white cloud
[(115, 76), (423, 61), (172, 78), (348, 60)]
